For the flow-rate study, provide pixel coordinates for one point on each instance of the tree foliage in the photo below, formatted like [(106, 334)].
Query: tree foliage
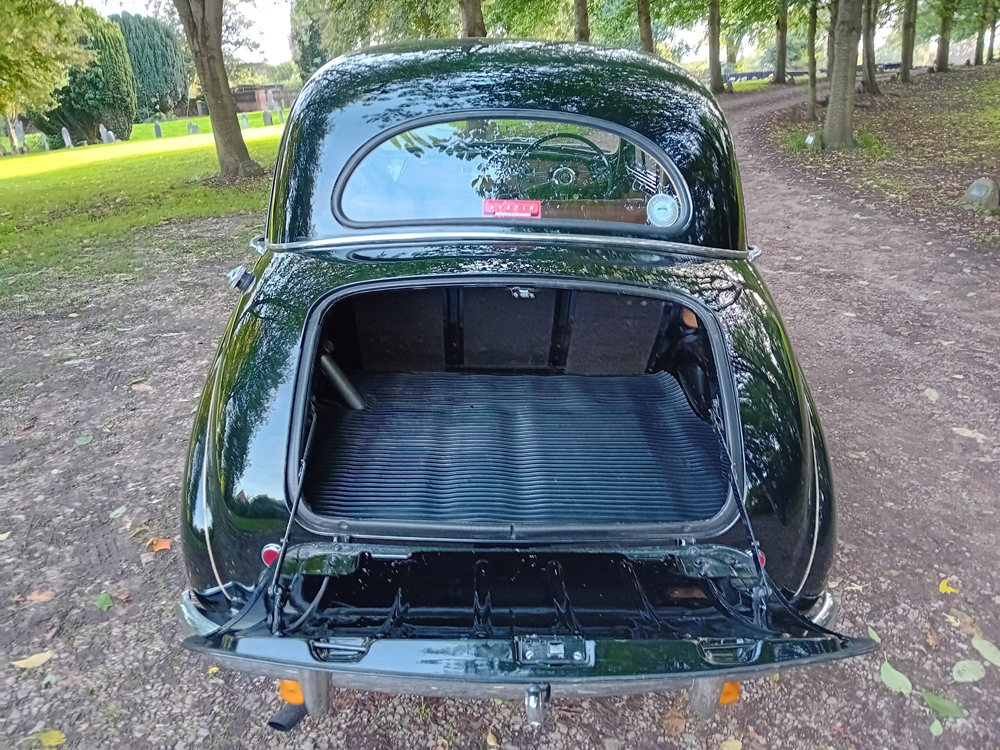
[(306, 40), (38, 44), (157, 63), (102, 91)]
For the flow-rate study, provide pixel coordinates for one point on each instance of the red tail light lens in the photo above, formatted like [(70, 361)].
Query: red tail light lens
[(269, 553)]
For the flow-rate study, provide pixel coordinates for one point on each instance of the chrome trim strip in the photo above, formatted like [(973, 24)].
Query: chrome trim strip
[(193, 620), (519, 238), (815, 534), (824, 611)]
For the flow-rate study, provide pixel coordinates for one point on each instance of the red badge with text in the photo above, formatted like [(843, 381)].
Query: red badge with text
[(512, 208)]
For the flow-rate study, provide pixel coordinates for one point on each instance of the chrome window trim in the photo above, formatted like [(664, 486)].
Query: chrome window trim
[(520, 238)]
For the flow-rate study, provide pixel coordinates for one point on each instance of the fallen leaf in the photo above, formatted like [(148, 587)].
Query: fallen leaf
[(943, 706), (964, 432), (774, 679), (986, 649), (968, 670), (895, 680), (117, 512), (732, 744), (873, 635), (491, 740), (41, 596), (4, 536), (936, 728), (851, 315), (674, 723), (158, 544), (50, 738), (50, 679), (143, 387), (966, 623), (856, 586), (103, 601), (85, 439), (945, 588), (32, 662), (931, 394)]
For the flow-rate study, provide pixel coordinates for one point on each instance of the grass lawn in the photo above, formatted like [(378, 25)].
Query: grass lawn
[(920, 145), (739, 86), (174, 128), (72, 212)]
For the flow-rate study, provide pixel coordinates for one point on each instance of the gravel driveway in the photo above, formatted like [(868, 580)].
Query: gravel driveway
[(897, 330)]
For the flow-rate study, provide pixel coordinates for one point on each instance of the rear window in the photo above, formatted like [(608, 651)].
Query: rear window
[(527, 170)]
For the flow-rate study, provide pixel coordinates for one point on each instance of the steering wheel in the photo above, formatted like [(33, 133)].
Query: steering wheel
[(563, 181)]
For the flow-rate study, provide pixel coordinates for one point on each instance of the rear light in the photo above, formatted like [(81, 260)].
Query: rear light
[(291, 692), (270, 553)]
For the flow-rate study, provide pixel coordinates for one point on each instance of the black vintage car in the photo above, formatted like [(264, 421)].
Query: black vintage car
[(504, 408)]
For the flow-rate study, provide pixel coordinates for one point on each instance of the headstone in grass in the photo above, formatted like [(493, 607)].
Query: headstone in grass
[(112, 137), (201, 108), (193, 129), (19, 132), (982, 195), (281, 116), (270, 100), (729, 88), (268, 120), (67, 141), (244, 121), (157, 130), (45, 143), (791, 80), (104, 133)]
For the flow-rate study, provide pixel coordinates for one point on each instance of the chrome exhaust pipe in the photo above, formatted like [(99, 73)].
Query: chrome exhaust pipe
[(287, 717)]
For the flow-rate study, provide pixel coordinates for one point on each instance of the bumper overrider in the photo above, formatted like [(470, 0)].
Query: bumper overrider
[(533, 668)]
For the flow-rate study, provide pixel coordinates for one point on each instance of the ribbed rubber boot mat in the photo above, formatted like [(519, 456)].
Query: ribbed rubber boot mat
[(517, 449)]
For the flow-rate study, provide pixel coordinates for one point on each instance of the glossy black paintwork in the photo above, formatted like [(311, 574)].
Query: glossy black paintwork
[(358, 97), (236, 473)]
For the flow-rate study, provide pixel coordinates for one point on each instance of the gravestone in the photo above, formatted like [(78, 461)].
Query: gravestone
[(244, 121), (193, 129), (111, 136), (19, 132), (281, 116), (104, 133), (201, 108), (270, 100), (45, 143), (982, 195), (729, 88), (157, 130), (268, 120), (3, 150), (67, 141), (791, 80)]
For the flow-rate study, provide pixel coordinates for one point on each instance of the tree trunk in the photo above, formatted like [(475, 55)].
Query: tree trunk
[(981, 33), (733, 42), (10, 131), (645, 26), (811, 49), (473, 24), (909, 38), (838, 130), (868, 35), (781, 42), (202, 21), (715, 47), (993, 33), (582, 20), (831, 36), (944, 41)]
